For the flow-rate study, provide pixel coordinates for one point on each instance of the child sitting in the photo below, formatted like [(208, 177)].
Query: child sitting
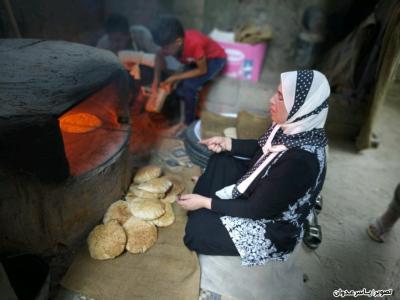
[(120, 36), (203, 59)]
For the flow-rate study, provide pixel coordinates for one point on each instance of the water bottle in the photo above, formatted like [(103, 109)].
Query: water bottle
[(247, 69)]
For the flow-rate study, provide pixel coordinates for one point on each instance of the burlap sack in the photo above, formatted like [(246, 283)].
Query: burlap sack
[(253, 34), (251, 126), (213, 124)]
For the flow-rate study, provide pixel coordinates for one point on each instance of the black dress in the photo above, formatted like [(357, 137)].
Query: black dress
[(288, 180)]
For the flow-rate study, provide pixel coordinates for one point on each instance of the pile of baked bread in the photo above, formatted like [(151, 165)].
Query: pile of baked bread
[(132, 223)]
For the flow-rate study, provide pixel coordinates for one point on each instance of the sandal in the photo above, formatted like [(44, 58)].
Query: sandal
[(376, 231), (312, 233), (318, 204)]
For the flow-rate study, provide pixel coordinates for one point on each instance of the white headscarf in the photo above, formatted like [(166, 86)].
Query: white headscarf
[(305, 96), (316, 95)]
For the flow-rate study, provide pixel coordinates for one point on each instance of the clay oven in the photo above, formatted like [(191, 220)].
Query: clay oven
[(64, 154)]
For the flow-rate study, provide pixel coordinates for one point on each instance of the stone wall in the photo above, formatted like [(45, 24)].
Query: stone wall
[(204, 15), (191, 13), (82, 20), (70, 20)]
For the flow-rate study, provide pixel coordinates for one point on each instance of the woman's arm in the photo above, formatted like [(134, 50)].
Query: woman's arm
[(218, 144), (286, 183), (245, 148)]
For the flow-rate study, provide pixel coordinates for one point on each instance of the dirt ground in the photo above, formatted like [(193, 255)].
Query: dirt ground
[(357, 189)]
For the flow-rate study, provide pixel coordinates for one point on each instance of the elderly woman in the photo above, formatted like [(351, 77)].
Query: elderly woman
[(256, 208)]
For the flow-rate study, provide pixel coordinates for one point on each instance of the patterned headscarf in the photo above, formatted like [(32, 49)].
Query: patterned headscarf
[(305, 95)]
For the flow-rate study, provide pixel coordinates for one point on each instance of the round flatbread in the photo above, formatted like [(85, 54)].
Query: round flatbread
[(146, 209), (177, 186), (144, 194), (169, 198), (131, 197), (156, 185), (176, 189), (141, 235), (119, 211), (166, 219), (146, 173), (107, 241)]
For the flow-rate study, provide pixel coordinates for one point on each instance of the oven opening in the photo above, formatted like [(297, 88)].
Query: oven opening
[(91, 132)]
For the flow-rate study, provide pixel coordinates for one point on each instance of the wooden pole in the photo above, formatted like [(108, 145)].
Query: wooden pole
[(12, 18)]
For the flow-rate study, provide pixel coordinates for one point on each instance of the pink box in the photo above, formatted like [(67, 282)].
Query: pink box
[(244, 60)]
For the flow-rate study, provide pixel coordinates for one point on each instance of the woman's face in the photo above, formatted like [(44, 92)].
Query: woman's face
[(277, 107)]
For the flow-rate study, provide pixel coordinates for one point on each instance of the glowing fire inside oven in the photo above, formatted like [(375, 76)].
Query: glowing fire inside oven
[(79, 122)]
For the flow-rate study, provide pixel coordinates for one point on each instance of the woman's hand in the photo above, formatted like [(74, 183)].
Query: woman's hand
[(218, 144), (194, 201)]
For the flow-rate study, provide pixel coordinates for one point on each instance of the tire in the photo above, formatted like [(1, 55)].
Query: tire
[(198, 154), (194, 151), (195, 158)]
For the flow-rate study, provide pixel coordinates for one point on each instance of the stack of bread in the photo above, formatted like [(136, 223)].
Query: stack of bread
[(132, 223)]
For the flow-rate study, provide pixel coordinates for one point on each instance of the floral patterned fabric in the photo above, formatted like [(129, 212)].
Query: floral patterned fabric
[(253, 238)]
